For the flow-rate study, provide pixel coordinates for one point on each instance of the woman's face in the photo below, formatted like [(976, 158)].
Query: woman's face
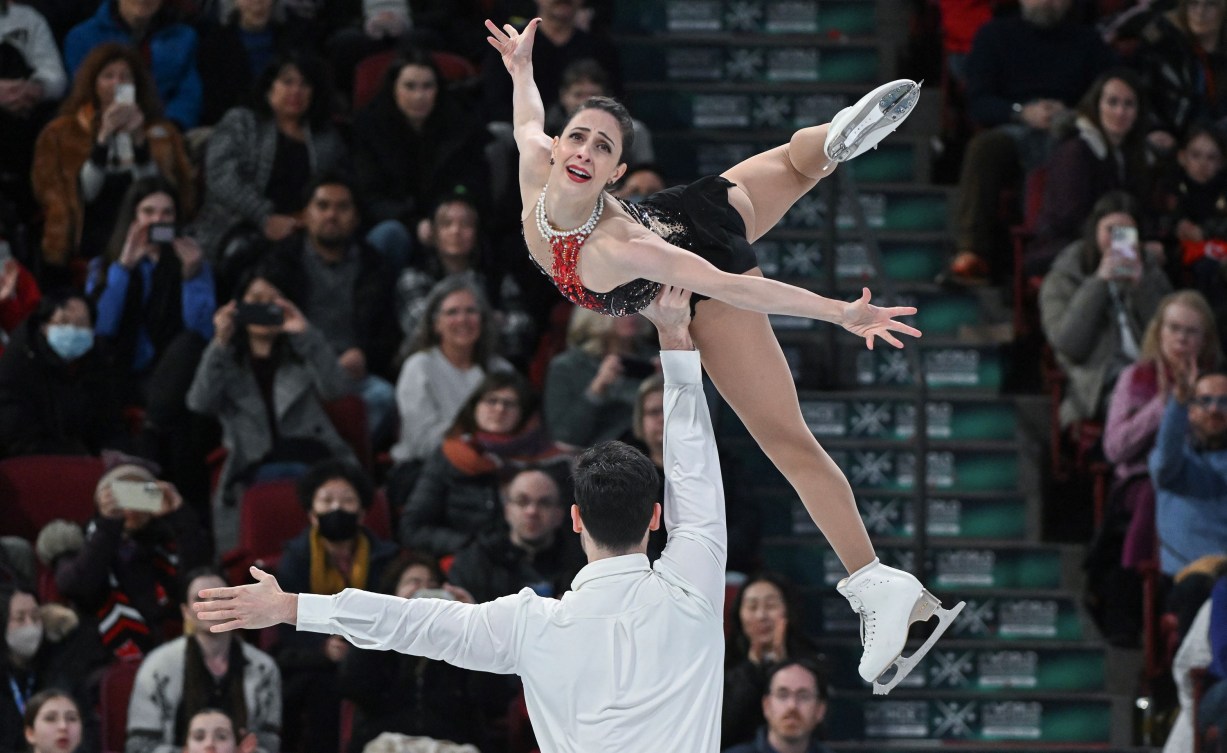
[(416, 92), (74, 313), (1204, 17), (211, 732), (458, 323), (455, 230), (1201, 158), (156, 207), (588, 154), (1103, 229), (57, 727), (254, 14), (1118, 109), (290, 95), (336, 494), (1181, 333), (498, 411), (414, 579), (112, 74), (762, 610), (23, 611)]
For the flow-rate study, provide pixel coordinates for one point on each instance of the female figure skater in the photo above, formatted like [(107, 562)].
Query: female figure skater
[(698, 237)]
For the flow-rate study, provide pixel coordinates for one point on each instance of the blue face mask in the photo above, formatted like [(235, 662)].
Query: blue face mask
[(69, 342)]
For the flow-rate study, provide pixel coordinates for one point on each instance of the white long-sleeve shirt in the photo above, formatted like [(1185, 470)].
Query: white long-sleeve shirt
[(632, 658), (26, 30)]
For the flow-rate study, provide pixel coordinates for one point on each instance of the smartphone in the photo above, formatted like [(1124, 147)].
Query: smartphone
[(141, 496), (433, 593), (263, 314), (125, 94), (1124, 247), (637, 368), (163, 232)]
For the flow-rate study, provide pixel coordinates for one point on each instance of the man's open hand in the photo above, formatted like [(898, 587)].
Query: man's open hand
[(254, 606)]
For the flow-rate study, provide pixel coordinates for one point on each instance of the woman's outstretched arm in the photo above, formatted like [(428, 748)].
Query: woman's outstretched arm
[(528, 112)]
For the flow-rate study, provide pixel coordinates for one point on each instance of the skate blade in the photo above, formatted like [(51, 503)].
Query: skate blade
[(885, 111), (926, 606)]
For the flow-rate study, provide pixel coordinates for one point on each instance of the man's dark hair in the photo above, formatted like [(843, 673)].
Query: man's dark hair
[(585, 69), (820, 680), (615, 488), (619, 112), (329, 178), (325, 471)]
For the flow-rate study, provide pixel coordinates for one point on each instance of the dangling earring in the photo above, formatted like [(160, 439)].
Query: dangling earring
[(551, 160)]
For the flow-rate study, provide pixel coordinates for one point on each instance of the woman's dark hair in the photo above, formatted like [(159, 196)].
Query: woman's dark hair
[(585, 69), (385, 98), (84, 89), (1202, 128), (615, 487), (240, 341), (55, 300), (140, 190), (738, 647), (403, 561), (39, 699), (1110, 203), (426, 337), (234, 728), (7, 592), (186, 597), (327, 470), (619, 112), (312, 69), (1133, 147), (466, 417)]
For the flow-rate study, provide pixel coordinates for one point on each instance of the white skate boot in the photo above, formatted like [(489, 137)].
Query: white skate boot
[(856, 129), (889, 601)]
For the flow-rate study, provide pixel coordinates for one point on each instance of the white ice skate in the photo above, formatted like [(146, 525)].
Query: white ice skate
[(856, 129), (889, 601)]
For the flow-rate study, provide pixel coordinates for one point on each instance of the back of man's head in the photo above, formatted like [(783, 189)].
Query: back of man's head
[(616, 487)]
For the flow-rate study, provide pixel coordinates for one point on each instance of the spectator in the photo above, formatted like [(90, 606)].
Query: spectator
[(454, 245), (765, 629), (648, 428), (640, 182), (456, 498), (413, 695), (533, 552), (1212, 708), (1093, 305), (344, 288), (335, 552), (19, 294), (232, 54), (453, 350), (266, 384), (1023, 75), (590, 387), (91, 154), (961, 19), (414, 142), (32, 80), (131, 561), (1189, 469), (1194, 653), (52, 722), (1107, 152), (203, 671), (261, 158), (1181, 59), (57, 390), (581, 80), (170, 47), (794, 705), (215, 731)]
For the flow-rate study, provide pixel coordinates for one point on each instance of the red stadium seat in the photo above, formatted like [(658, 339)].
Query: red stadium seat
[(115, 692), (38, 489), (368, 76), (348, 416)]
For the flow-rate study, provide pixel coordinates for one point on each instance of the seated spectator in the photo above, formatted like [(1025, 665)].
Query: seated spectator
[(639, 182), (1023, 75), (203, 671), (32, 80), (170, 47), (266, 384), (345, 288), (454, 245), (1094, 304), (413, 695), (414, 142), (1181, 57), (533, 552), (130, 562), (1194, 653), (456, 498), (88, 157), (42, 649), (1107, 152), (648, 428), (582, 80), (19, 294), (1189, 468), (52, 723), (590, 387), (452, 351), (232, 54), (363, 29), (215, 731), (1179, 336), (260, 159), (57, 390), (794, 705), (335, 552), (765, 629), (1212, 709)]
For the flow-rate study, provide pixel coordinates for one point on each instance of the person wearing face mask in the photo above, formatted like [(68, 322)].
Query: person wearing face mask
[(56, 386), (335, 552)]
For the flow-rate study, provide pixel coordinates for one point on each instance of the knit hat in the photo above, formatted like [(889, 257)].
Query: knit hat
[(385, 18)]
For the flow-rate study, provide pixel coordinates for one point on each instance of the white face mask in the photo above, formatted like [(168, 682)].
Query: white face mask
[(24, 641)]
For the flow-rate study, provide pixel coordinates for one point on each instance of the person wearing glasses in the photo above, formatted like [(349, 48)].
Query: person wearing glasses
[(794, 705), (1189, 469)]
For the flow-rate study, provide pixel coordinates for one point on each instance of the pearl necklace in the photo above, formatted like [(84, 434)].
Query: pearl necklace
[(583, 231)]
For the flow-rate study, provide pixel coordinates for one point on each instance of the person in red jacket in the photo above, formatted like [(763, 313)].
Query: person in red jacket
[(19, 293)]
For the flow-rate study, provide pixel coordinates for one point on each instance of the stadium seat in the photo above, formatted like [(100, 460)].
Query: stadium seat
[(368, 76), (114, 693), (348, 416), (38, 489)]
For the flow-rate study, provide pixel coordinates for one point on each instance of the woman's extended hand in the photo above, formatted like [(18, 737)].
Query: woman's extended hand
[(865, 320), (516, 47)]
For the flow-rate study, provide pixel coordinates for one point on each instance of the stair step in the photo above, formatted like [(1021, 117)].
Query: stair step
[(1072, 719), (826, 17), (997, 516), (685, 155)]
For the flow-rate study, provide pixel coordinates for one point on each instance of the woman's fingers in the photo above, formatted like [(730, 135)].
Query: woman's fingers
[(495, 31), (903, 328), (888, 337)]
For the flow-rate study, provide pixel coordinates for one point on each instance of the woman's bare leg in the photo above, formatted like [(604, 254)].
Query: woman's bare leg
[(768, 184), (744, 360)]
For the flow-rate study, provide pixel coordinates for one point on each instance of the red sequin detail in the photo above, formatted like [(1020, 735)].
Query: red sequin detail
[(566, 273)]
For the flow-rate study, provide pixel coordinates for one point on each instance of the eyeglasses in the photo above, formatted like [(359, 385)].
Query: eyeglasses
[(1218, 402), (509, 403), (527, 502), (802, 697)]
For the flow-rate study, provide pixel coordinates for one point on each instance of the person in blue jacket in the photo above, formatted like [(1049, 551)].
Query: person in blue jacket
[(169, 47)]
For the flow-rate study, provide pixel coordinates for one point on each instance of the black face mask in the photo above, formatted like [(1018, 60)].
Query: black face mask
[(339, 525)]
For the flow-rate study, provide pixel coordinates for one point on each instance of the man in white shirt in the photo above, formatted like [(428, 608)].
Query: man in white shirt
[(633, 655)]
